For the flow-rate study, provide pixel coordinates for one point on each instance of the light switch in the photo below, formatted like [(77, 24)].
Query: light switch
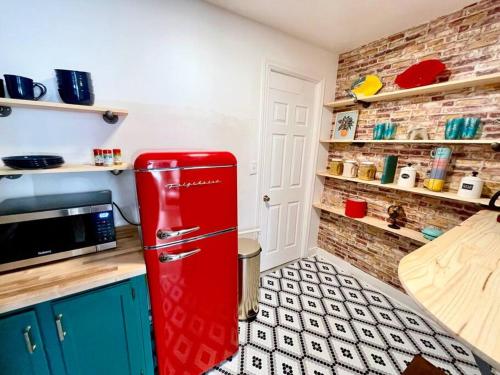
[(253, 167)]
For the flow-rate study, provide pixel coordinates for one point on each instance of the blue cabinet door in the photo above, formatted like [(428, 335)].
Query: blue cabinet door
[(21, 347), (100, 332)]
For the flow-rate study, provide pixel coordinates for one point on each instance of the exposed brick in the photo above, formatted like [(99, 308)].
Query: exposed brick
[(467, 41)]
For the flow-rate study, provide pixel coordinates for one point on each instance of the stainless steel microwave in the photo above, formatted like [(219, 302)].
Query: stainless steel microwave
[(41, 229)]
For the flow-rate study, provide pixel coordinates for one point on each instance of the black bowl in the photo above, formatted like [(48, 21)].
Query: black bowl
[(33, 161)]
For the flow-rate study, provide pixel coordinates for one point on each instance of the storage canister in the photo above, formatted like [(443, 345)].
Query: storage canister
[(336, 167), (471, 186), (350, 168), (407, 176), (367, 171)]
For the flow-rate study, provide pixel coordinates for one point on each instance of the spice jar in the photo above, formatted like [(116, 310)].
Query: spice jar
[(98, 160), (367, 171), (117, 156), (336, 167), (107, 157)]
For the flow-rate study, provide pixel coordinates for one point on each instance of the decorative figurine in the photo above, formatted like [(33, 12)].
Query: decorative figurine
[(394, 212)]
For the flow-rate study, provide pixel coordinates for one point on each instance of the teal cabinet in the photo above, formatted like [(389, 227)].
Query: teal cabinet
[(22, 350), (100, 332), (104, 331)]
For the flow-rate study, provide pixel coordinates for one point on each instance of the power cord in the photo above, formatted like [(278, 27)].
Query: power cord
[(124, 217)]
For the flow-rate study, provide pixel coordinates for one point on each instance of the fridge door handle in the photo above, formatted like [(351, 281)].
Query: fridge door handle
[(161, 234), (165, 258)]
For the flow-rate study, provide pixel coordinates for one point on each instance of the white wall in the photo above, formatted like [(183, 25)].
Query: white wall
[(189, 74)]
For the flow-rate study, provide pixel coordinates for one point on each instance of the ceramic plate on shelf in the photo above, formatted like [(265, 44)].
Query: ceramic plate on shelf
[(366, 86), (33, 161), (422, 74)]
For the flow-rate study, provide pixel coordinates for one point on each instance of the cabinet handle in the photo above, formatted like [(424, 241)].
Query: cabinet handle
[(60, 331), (29, 342)]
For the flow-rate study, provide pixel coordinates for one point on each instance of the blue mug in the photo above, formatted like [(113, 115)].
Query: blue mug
[(20, 87), (471, 125), (378, 131)]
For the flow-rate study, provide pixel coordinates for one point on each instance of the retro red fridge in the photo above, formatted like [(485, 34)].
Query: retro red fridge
[(188, 209)]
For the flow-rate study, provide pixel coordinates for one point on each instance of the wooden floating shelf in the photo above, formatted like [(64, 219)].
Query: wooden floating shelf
[(422, 142), (415, 190), (374, 222), (110, 114), (66, 168), (488, 79)]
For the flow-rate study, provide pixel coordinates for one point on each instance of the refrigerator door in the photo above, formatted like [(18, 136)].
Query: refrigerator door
[(184, 201), (194, 299)]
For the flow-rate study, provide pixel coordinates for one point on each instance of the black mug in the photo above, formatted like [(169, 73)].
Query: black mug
[(2, 90), (23, 88), (75, 87), (493, 201)]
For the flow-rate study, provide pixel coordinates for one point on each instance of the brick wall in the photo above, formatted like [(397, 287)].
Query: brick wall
[(467, 41)]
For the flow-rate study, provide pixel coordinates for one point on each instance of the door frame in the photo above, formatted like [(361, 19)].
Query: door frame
[(310, 161)]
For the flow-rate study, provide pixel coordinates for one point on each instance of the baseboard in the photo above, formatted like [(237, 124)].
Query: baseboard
[(383, 287)]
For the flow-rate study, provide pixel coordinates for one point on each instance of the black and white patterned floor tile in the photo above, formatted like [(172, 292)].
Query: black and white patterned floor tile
[(316, 318)]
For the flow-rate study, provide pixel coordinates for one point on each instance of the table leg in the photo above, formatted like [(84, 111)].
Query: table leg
[(484, 367)]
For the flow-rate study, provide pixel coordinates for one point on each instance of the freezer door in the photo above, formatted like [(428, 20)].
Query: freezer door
[(194, 290), (177, 204)]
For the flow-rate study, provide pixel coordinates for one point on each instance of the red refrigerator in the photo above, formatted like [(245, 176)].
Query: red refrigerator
[(188, 209)]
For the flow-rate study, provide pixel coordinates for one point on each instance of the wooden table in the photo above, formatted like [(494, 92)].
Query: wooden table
[(34, 285), (456, 279)]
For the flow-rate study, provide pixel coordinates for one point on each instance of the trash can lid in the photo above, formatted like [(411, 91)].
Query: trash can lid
[(248, 248)]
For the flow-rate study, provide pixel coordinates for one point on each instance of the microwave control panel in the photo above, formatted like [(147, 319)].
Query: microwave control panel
[(105, 226)]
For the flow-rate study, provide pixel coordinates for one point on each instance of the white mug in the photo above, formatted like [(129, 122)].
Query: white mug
[(350, 168)]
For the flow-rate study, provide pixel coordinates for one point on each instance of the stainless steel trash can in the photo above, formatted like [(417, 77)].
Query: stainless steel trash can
[(249, 273)]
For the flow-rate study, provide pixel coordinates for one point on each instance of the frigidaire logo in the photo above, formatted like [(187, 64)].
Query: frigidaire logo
[(192, 184)]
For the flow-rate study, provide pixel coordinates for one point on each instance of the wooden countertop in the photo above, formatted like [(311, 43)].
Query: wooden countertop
[(456, 278), (30, 286)]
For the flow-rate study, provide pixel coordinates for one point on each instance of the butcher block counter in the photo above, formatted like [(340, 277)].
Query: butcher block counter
[(34, 285), (456, 279)]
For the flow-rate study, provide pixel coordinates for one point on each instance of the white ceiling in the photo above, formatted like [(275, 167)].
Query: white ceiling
[(341, 25)]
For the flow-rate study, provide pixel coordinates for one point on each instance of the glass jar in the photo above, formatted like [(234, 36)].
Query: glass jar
[(336, 167), (367, 171)]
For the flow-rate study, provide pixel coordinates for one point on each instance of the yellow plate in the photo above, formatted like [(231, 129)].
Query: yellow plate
[(366, 86)]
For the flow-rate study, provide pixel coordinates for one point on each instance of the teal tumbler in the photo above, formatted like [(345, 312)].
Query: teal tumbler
[(471, 125), (378, 131), (390, 130), (453, 128)]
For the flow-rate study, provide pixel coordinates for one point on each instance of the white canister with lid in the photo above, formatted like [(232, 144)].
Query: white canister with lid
[(350, 168), (471, 187), (407, 176)]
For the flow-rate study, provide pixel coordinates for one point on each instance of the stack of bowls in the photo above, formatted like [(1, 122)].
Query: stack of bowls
[(75, 87)]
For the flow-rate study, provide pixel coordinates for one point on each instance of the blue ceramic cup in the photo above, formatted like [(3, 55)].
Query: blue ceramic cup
[(378, 131), (471, 125), (23, 88), (453, 128), (390, 130)]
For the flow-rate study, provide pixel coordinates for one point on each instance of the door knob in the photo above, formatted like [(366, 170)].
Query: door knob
[(266, 198)]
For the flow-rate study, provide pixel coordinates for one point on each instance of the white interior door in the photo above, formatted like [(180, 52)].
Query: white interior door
[(286, 145)]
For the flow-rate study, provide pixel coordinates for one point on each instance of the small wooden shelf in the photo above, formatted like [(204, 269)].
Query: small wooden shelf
[(66, 168), (415, 190), (374, 222), (422, 142), (488, 79), (106, 112)]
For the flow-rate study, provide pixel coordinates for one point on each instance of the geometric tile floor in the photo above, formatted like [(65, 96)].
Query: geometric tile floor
[(318, 319)]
